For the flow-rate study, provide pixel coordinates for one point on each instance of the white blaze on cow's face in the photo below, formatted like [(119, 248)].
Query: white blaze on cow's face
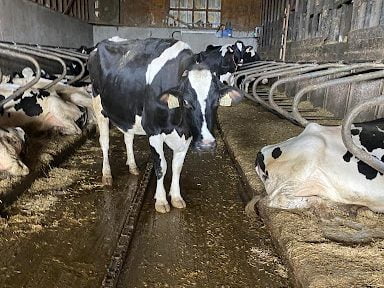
[(200, 81), (316, 166)]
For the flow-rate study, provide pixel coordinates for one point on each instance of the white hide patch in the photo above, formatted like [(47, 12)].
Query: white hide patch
[(201, 82), (224, 49), (228, 78), (116, 39), (251, 50), (168, 54), (239, 46)]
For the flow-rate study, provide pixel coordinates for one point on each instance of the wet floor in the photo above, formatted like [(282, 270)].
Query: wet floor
[(63, 230), (211, 243)]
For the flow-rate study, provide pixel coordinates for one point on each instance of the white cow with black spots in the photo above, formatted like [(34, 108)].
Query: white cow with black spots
[(316, 166)]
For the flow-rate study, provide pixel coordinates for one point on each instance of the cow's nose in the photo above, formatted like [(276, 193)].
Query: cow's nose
[(206, 145)]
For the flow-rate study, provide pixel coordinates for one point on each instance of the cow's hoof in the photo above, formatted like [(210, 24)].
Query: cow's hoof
[(107, 180), (178, 203), (162, 207), (134, 171)]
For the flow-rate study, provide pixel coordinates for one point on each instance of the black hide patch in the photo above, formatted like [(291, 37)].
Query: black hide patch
[(156, 163), (347, 156), (371, 137), (276, 153), (29, 106), (2, 97), (260, 161)]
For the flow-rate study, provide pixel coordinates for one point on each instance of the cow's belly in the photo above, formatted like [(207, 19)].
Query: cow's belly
[(137, 128)]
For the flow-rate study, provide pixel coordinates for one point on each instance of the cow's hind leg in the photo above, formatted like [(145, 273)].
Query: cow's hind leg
[(157, 148), (103, 124), (128, 139)]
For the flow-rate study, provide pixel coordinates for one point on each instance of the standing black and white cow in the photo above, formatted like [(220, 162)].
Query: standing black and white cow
[(221, 62), (238, 50), (153, 87), (315, 165)]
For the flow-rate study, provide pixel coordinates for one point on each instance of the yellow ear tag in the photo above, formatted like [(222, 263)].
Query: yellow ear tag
[(226, 100), (173, 102)]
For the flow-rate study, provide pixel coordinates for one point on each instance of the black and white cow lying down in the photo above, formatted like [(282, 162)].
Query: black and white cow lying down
[(76, 95), (12, 141), (153, 87), (315, 166), (41, 110)]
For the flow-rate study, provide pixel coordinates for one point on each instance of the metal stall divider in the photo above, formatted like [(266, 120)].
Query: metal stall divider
[(273, 74), (22, 89), (42, 55), (261, 67), (65, 57), (257, 73), (345, 80), (358, 152)]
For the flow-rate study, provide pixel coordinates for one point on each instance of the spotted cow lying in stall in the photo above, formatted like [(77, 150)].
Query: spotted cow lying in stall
[(153, 87), (80, 96), (40, 110), (12, 141), (315, 166)]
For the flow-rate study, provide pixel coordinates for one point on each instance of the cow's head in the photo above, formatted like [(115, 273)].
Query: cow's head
[(289, 172), (239, 49), (198, 95), (250, 55), (228, 62), (12, 141)]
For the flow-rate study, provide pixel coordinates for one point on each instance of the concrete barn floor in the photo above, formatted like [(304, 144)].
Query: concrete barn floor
[(62, 231)]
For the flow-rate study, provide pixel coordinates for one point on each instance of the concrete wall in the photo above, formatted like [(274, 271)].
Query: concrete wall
[(27, 22), (198, 40)]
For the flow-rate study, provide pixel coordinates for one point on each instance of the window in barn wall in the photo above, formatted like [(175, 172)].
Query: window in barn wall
[(195, 13)]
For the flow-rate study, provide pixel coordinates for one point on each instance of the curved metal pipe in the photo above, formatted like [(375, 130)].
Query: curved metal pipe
[(254, 69), (254, 73), (271, 74), (69, 53), (33, 51), (361, 154), (66, 57), (345, 80), (296, 78), (22, 89)]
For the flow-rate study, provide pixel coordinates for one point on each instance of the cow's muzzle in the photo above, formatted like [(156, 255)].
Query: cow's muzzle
[(205, 145)]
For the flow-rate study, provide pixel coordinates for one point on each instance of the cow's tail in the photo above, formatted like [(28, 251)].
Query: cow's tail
[(250, 208), (349, 232)]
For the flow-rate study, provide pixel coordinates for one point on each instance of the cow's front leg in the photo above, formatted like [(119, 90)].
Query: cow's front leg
[(177, 164), (103, 124), (157, 148), (128, 139)]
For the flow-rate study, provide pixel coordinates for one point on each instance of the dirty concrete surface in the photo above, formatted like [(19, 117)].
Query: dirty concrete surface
[(211, 243), (63, 229), (313, 259)]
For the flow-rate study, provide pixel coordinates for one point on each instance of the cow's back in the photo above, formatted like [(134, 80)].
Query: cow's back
[(120, 72)]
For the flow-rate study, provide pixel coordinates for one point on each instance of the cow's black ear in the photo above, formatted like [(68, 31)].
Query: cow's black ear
[(230, 96)]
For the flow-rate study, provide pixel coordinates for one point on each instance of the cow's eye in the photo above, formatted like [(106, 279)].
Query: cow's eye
[(187, 104)]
